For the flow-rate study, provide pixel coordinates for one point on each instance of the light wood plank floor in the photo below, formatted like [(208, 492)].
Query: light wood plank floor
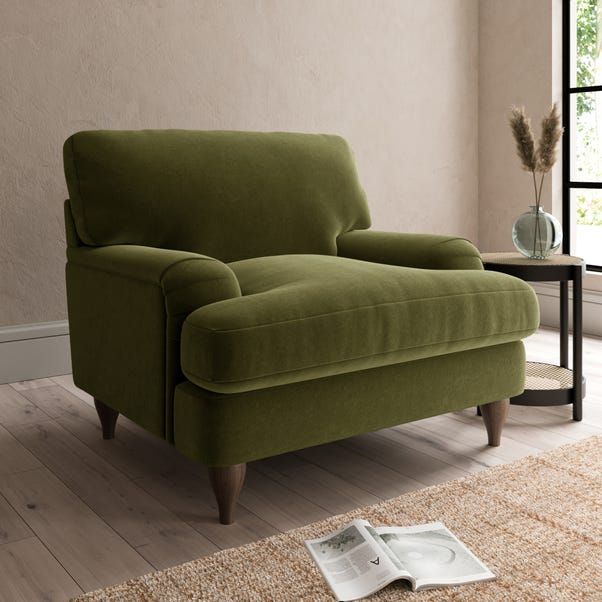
[(78, 513)]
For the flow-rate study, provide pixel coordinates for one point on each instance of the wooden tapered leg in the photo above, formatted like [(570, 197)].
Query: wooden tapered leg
[(108, 418), (227, 484), (494, 416)]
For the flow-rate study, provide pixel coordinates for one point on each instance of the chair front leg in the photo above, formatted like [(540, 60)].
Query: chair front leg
[(494, 416), (227, 484)]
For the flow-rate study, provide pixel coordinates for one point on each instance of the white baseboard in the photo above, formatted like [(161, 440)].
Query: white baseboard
[(29, 351), (549, 304)]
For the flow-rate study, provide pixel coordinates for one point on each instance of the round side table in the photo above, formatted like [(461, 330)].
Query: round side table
[(548, 384)]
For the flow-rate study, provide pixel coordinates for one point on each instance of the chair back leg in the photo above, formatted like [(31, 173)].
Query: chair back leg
[(108, 418)]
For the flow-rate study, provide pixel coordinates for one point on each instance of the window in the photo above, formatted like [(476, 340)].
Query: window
[(582, 142)]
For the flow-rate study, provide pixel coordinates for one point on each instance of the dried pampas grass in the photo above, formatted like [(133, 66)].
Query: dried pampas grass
[(520, 125), (542, 159), (551, 130)]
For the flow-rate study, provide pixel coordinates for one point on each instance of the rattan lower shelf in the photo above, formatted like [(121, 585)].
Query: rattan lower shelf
[(547, 384)]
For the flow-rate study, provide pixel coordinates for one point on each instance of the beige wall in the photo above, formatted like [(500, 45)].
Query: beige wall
[(515, 68), (397, 78)]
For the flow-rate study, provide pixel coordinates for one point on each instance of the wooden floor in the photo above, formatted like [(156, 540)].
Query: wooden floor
[(78, 513)]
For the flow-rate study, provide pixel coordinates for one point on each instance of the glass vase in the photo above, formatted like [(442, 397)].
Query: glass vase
[(537, 234)]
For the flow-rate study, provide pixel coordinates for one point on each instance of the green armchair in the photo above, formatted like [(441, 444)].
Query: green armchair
[(225, 293)]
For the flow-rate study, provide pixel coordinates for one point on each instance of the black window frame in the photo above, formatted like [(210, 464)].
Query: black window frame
[(567, 90)]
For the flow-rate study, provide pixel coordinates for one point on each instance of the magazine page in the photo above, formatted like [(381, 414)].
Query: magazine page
[(352, 562), (402, 571), (433, 555)]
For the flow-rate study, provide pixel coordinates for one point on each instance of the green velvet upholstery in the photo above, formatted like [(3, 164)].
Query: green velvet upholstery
[(308, 316), (229, 195), (428, 251), (126, 307), (221, 430), (225, 294)]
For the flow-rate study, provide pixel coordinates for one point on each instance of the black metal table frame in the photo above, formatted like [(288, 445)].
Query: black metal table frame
[(562, 274)]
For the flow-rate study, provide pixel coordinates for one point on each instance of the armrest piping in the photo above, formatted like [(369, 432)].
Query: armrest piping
[(184, 260), (452, 239)]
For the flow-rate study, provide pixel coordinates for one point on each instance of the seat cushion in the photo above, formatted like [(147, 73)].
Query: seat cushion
[(309, 316)]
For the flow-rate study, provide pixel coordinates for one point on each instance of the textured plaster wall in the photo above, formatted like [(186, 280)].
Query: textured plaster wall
[(516, 67), (398, 78)]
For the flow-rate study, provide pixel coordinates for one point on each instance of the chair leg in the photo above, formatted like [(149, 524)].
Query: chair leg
[(108, 418), (494, 416), (227, 484)]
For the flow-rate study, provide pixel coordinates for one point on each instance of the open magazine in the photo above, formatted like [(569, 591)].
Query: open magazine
[(358, 560)]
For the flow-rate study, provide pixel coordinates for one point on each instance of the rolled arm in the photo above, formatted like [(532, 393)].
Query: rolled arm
[(126, 307), (429, 251), (187, 280)]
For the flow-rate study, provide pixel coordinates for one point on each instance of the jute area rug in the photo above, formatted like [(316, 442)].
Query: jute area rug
[(537, 524)]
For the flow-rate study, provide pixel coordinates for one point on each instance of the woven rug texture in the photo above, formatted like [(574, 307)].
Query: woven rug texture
[(536, 523)]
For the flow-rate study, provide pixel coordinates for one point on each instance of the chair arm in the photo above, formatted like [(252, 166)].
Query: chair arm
[(126, 307), (430, 251), (187, 280)]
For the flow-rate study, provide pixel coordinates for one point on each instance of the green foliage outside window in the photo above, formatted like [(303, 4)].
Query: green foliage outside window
[(588, 49), (589, 211), (589, 46)]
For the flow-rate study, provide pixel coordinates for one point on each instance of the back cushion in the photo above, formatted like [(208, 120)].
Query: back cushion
[(229, 195)]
